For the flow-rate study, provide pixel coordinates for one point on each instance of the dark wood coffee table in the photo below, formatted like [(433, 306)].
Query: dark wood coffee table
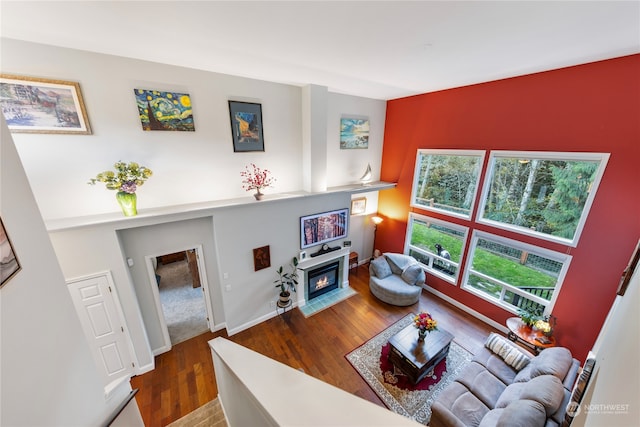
[(417, 358)]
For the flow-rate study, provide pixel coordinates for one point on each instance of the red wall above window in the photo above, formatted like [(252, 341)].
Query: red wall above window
[(588, 108)]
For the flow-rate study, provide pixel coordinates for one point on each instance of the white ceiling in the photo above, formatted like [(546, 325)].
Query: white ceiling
[(375, 49)]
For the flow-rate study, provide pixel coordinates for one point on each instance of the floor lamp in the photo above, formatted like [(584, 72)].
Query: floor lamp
[(376, 220)]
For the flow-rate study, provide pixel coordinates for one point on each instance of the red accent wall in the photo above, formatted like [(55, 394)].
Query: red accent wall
[(587, 108)]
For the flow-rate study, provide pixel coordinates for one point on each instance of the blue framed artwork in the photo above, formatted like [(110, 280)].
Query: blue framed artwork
[(354, 133), (164, 110)]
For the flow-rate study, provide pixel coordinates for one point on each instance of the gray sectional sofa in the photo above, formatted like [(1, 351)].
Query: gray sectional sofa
[(396, 279), (502, 386)]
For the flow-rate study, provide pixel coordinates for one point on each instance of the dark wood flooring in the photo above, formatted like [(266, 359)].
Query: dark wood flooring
[(183, 379)]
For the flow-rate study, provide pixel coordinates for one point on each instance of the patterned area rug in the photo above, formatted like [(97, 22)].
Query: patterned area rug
[(392, 386)]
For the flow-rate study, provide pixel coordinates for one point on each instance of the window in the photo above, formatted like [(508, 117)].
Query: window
[(546, 195), (447, 181), (436, 244), (513, 274)]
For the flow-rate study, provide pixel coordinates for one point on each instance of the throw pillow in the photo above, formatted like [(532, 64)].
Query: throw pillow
[(413, 274), (510, 354), (398, 262), (381, 267)]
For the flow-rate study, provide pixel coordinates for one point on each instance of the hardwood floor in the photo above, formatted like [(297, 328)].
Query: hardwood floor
[(184, 379)]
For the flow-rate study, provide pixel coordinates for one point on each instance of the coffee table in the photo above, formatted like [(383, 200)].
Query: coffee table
[(417, 358)]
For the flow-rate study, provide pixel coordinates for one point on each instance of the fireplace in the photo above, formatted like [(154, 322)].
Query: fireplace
[(322, 279)]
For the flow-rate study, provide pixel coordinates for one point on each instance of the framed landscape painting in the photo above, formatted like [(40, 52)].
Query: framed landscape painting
[(164, 110), (246, 126), (35, 105), (9, 265)]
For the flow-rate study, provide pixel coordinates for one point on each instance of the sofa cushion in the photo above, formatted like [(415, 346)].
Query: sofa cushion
[(545, 389), (551, 361), (381, 267), (523, 413), (398, 262), (510, 395), (413, 274), (492, 417), (508, 352), (456, 405), (494, 364), (482, 383)]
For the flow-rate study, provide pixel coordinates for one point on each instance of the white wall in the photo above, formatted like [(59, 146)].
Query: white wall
[(48, 375), (189, 167)]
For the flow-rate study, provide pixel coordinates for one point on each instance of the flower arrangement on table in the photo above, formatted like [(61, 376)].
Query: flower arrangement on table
[(546, 325), (424, 323), (256, 179), (125, 180)]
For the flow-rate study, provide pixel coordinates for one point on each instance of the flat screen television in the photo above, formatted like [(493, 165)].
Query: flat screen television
[(323, 227)]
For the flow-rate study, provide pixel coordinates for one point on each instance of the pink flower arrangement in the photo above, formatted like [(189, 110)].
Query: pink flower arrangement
[(424, 322), (256, 179)]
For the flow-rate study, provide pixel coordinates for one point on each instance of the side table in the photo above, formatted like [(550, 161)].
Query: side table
[(353, 261), (531, 338)]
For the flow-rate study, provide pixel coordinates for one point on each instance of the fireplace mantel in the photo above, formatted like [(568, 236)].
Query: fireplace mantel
[(341, 254)]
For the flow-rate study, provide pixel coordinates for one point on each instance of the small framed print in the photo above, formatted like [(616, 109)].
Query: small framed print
[(354, 133), (35, 105), (9, 265), (358, 206), (261, 258), (246, 126)]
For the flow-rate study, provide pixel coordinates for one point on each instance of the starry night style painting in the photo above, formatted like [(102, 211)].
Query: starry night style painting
[(164, 110)]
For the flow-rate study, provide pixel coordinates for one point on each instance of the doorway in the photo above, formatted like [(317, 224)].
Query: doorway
[(181, 295)]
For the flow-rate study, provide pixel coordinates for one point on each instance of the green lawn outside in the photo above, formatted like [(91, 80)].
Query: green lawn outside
[(486, 262)]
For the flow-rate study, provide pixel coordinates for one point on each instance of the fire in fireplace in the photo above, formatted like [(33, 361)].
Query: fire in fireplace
[(322, 279)]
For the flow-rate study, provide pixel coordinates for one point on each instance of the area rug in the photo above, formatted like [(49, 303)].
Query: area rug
[(393, 387)]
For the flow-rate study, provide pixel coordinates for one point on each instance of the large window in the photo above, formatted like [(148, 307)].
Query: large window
[(447, 181), (513, 274), (437, 245), (546, 195), (543, 195)]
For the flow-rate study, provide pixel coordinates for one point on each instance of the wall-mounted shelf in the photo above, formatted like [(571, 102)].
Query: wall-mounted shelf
[(194, 210)]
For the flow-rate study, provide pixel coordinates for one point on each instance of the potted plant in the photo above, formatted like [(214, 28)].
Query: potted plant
[(529, 316), (287, 281)]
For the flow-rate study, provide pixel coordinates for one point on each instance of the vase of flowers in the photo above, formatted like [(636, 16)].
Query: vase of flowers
[(125, 180), (425, 324), (256, 179)]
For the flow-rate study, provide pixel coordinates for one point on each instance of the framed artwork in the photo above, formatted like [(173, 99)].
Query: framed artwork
[(358, 206), (261, 258), (628, 272), (354, 133), (164, 110), (9, 264), (246, 126), (35, 105)]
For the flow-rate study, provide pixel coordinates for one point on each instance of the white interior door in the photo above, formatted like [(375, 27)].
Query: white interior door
[(98, 309)]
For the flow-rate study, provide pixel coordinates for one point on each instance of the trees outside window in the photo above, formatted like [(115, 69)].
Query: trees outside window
[(447, 181), (546, 195)]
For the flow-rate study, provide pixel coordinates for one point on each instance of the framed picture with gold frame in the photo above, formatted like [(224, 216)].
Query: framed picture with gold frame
[(37, 105)]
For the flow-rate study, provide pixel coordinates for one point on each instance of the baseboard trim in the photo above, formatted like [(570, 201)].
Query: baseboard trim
[(263, 318)]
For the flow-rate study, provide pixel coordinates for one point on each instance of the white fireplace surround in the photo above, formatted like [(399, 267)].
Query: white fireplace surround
[(341, 254)]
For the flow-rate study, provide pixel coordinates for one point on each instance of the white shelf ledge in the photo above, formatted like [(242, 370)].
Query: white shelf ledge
[(195, 210)]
